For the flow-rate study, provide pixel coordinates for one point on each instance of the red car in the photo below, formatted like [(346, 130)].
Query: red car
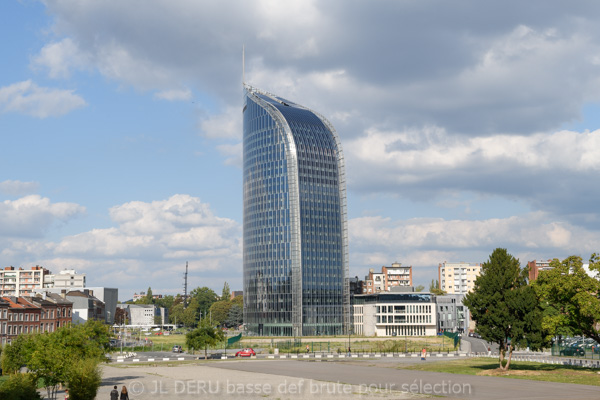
[(245, 353)]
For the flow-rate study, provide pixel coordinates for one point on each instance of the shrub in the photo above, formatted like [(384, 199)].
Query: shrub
[(84, 379), (20, 387)]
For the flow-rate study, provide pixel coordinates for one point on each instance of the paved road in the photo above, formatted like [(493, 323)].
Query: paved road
[(371, 374)]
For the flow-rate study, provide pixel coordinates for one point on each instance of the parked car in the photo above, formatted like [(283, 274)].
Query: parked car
[(177, 349), (216, 356), (572, 351), (245, 353)]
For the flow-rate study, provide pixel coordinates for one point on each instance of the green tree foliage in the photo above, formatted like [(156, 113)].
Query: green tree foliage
[(226, 293), (84, 378), (434, 288), (165, 302), (570, 297), (204, 336), (51, 356), (235, 317), (419, 288), (219, 311), (205, 297), (505, 307), (20, 387), (149, 298), (176, 314), (239, 300), (17, 354)]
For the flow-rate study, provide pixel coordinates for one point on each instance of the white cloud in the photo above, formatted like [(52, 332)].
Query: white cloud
[(426, 242), (233, 153), (174, 228), (227, 125), (18, 188), (174, 95), (60, 58), (28, 98), (32, 216)]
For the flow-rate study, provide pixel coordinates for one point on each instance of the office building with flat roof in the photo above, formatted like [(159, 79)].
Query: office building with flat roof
[(295, 221)]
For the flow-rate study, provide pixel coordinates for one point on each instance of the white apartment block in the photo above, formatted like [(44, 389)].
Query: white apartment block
[(22, 282), (395, 314), (67, 279), (457, 278)]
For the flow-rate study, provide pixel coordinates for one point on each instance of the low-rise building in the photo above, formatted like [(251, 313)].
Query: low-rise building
[(394, 314), (86, 306), (452, 315), (146, 314)]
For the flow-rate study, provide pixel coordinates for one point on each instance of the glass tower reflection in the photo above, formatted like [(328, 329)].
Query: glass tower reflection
[(295, 222)]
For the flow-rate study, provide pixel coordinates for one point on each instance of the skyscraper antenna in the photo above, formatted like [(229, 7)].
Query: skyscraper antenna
[(243, 65)]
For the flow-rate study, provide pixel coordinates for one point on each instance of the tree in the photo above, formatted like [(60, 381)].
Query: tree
[(165, 302), (235, 317), (52, 356), (121, 316), (205, 297), (203, 336), (219, 311), (149, 299), (505, 308), (18, 353), (20, 387), (226, 293), (84, 378), (570, 297), (419, 288), (434, 288)]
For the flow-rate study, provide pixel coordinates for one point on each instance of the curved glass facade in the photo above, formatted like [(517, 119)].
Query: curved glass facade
[(295, 223)]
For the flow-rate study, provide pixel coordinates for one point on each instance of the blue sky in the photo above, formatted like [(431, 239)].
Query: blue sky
[(465, 127)]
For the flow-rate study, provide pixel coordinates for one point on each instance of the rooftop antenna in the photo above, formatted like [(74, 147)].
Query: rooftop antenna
[(243, 65)]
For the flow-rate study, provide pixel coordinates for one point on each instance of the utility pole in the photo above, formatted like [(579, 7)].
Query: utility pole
[(185, 287)]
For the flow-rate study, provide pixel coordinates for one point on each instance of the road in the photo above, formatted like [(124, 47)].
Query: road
[(382, 375)]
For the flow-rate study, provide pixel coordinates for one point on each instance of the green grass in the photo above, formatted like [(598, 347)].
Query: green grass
[(518, 370)]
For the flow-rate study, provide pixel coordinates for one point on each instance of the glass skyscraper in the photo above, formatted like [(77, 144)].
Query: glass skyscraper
[(295, 221)]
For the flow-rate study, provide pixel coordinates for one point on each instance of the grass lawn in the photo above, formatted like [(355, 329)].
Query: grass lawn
[(518, 370)]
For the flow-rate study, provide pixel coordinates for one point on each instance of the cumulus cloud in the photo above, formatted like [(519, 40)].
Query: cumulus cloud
[(32, 215), (426, 242), (179, 227), (547, 171), (18, 188), (29, 99)]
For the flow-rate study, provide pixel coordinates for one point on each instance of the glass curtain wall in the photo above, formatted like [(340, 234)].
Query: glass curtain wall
[(295, 250)]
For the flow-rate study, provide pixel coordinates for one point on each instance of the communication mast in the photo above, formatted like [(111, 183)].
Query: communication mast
[(185, 286)]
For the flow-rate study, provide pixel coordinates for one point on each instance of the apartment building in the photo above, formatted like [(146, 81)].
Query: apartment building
[(66, 279), (458, 277), (22, 282), (389, 277), (536, 266)]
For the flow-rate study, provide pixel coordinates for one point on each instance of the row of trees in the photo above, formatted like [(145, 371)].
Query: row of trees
[(202, 303), (69, 356), (511, 311)]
